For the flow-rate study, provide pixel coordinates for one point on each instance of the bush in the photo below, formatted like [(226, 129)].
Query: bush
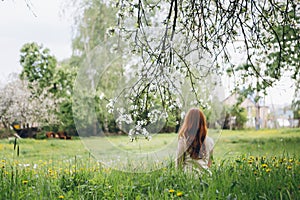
[(4, 133)]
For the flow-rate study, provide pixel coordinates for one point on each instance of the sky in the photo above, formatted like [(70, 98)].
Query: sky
[(46, 25), (43, 24)]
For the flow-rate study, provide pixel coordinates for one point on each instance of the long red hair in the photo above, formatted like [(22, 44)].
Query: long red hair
[(194, 129)]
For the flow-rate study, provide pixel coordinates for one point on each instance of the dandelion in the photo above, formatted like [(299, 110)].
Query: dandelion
[(289, 167), (171, 190), (25, 182), (264, 165), (179, 194), (61, 197)]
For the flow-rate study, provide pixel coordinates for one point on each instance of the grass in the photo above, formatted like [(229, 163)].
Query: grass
[(259, 143), (248, 165)]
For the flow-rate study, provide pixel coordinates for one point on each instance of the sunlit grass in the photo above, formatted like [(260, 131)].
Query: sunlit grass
[(244, 177), (248, 165)]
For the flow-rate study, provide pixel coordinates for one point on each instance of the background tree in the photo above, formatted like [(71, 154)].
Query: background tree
[(48, 80), (64, 80), (89, 36), (18, 104), (38, 66)]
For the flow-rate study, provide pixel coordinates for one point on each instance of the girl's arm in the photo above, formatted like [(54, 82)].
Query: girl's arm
[(180, 153)]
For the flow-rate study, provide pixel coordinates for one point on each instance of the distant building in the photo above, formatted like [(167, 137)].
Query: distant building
[(257, 114), (285, 117)]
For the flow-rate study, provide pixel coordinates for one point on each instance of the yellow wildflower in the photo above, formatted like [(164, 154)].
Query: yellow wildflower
[(25, 182), (289, 167), (264, 165), (171, 190), (252, 157), (61, 197), (268, 170), (250, 161), (179, 194)]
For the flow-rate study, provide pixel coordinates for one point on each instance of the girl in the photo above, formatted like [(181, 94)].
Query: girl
[(195, 148)]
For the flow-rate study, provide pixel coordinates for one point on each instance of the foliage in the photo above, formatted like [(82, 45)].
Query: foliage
[(17, 104), (276, 55), (42, 94), (167, 34), (235, 117), (64, 80), (38, 67), (169, 44), (55, 81), (39, 70), (92, 19), (241, 116), (125, 80)]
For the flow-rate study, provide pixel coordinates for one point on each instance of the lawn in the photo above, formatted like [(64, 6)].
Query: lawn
[(248, 164)]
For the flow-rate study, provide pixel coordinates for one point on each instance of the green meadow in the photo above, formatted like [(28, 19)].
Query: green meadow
[(248, 164)]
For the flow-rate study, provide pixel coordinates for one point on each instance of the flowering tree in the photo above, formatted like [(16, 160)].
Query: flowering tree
[(18, 104), (170, 45)]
